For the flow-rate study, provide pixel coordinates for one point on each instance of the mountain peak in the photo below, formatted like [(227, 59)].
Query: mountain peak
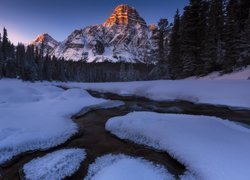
[(44, 37), (124, 15), (48, 42)]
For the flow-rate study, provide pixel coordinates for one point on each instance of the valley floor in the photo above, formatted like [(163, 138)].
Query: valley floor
[(42, 137)]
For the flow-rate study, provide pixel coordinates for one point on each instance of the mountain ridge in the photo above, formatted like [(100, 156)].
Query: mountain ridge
[(124, 36)]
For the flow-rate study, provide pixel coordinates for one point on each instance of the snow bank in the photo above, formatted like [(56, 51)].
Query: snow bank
[(122, 167), (234, 93), (36, 116), (242, 74), (209, 147), (56, 165)]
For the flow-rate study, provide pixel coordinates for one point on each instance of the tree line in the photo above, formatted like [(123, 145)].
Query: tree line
[(29, 63), (210, 36)]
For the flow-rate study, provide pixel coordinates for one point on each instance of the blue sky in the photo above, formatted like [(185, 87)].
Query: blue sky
[(25, 19)]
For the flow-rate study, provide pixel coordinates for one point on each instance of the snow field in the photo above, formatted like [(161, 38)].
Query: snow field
[(233, 93), (37, 116), (237, 75), (210, 148)]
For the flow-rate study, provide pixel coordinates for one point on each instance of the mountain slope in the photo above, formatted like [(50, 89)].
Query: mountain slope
[(124, 36)]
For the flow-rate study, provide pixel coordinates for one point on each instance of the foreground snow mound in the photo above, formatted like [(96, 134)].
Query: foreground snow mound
[(234, 93), (56, 165), (36, 116), (210, 148), (122, 167)]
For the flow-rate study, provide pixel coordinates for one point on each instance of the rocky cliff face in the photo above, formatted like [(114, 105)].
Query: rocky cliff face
[(124, 36), (124, 15)]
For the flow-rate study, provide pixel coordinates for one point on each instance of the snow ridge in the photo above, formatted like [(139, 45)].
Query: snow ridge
[(56, 165)]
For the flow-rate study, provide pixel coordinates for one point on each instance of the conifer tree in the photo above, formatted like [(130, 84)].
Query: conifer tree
[(243, 13), (174, 56), (193, 27), (163, 26), (5, 44), (20, 59), (244, 59), (163, 48), (232, 37), (212, 54), (1, 57)]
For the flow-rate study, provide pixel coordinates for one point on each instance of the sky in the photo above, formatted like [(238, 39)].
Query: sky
[(25, 19)]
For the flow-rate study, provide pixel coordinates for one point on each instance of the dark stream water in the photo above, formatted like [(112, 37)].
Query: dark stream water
[(97, 142)]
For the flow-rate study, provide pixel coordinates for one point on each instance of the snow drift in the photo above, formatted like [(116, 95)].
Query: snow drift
[(209, 147)]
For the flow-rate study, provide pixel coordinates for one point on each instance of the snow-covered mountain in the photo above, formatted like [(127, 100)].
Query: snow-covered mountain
[(47, 41), (124, 36)]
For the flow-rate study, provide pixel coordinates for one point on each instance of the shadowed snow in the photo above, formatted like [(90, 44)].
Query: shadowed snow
[(209, 147)]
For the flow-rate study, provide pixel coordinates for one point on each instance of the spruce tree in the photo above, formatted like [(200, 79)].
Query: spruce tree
[(163, 48), (243, 13), (30, 65), (1, 57), (162, 38), (5, 44), (40, 61), (4, 52), (245, 45), (232, 37), (8, 53), (10, 65), (247, 33), (193, 28), (212, 54), (20, 59), (174, 56)]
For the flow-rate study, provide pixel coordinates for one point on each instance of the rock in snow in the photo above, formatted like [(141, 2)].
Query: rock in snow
[(124, 36)]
